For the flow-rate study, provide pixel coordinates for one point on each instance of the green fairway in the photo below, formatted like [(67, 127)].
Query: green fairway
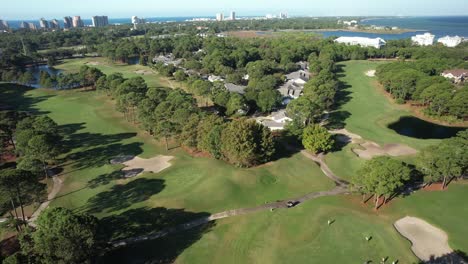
[(152, 78), (364, 110), (96, 133), (193, 187), (301, 235)]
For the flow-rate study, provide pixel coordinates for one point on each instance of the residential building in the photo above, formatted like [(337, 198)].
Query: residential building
[(276, 121), (426, 39), (215, 78), (456, 75), (44, 24), (24, 25), (77, 22), (167, 59), (137, 21), (294, 85), (364, 42), (233, 15), (234, 88), (219, 17), (32, 26), (4, 25), (54, 24), (100, 21), (283, 15), (67, 22), (450, 41), (350, 23)]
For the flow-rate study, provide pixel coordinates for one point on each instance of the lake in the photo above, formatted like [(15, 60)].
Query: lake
[(36, 72), (414, 127)]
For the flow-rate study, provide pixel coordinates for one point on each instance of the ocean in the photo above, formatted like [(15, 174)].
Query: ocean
[(439, 26), (112, 21)]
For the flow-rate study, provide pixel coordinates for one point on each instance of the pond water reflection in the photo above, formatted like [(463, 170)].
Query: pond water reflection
[(414, 127)]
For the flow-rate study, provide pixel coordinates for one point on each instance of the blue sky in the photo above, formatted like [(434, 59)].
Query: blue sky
[(34, 9)]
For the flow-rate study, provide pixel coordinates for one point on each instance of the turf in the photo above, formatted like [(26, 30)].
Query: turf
[(96, 133), (108, 67), (364, 110), (299, 235)]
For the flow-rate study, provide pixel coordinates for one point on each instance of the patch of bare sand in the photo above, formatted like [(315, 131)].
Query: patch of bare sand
[(93, 63), (427, 240), (371, 149), (143, 72), (370, 73), (155, 164)]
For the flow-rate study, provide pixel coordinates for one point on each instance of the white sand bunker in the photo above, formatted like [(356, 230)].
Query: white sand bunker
[(370, 73), (427, 240), (143, 72), (93, 63), (135, 165), (369, 149)]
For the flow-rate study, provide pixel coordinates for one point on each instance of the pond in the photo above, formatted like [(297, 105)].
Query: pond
[(133, 60), (36, 71), (414, 127)]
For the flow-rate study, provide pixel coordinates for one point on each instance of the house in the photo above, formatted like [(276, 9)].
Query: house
[(291, 89), (364, 42), (450, 42), (303, 65), (300, 76), (426, 39), (276, 121), (234, 88), (456, 75), (294, 84), (215, 78), (167, 59)]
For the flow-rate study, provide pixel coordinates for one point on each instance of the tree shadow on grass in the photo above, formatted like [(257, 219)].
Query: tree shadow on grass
[(337, 117), (149, 221), (456, 257), (99, 156), (13, 97), (122, 196)]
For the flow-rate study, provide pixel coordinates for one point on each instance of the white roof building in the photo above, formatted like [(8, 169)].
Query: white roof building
[(450, 41), (426, 39), (234, 88), (215, 78), (364, 42), (276, 121)]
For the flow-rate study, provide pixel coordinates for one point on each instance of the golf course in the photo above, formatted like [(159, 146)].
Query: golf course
[(333, 229)]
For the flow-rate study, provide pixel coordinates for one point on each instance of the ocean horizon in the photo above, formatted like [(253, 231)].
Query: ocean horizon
[(438, 25)]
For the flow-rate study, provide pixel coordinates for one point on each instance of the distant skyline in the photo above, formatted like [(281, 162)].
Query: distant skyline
[(30, 10)]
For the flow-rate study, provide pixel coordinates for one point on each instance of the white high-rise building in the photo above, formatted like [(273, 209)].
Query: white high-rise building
[(283, 15), (136, 21), (233, 15), (426, 39), (219, 17), (54, 24), (100, 21), (77, 22), (450, 41), (44, 24), (4, 25)]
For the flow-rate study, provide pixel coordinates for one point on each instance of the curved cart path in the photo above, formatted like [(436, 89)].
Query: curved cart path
[(58, 183), (341, 188)]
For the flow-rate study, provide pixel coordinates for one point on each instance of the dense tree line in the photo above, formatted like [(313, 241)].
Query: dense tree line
[(420, 81), (445, 161), (173, 114)]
